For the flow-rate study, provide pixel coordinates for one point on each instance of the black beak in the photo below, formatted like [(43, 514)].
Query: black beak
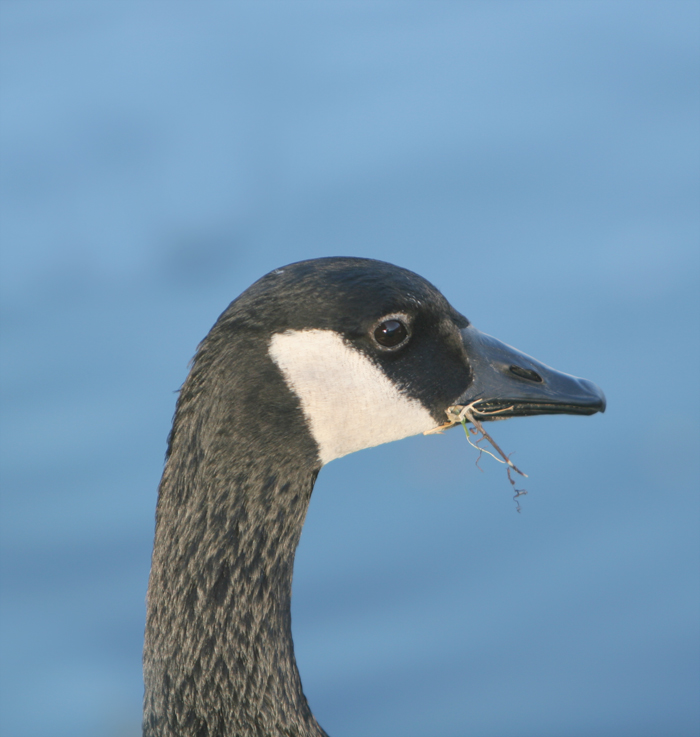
[(513, 384)]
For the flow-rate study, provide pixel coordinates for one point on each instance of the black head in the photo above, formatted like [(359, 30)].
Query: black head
[(375, 351)]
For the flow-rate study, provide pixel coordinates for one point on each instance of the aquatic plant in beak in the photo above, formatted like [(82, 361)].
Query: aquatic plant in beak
[(461, 415)]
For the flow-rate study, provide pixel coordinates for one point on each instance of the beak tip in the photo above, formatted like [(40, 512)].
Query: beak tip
[(601, 403)]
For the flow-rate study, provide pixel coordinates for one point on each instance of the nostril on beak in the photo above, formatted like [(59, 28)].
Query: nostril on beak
[(526, 374)]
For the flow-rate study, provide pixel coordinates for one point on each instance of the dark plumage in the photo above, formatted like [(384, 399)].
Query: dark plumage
[(243, 456)]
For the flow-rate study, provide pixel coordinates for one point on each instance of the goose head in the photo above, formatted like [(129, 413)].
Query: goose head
[(375, 353), (315, 360)]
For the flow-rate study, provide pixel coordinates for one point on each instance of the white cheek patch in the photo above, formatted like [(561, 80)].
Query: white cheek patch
[(348, 402)]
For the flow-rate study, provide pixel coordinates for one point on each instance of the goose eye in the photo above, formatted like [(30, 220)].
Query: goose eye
[(390, 333)]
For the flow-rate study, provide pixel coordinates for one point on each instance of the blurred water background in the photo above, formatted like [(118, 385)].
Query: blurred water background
[(539, 163)]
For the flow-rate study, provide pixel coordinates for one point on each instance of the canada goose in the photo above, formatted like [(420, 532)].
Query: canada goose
[(314, 361)]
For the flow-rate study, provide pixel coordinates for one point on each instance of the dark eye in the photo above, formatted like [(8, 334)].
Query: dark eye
[(390, 333)]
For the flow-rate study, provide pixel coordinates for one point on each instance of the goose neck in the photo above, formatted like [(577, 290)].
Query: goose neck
[(219, 657)]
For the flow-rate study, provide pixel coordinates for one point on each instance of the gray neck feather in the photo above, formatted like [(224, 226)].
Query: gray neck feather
[(218, 656)]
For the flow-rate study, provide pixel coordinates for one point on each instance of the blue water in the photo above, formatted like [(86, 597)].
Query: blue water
[(539, 163)]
